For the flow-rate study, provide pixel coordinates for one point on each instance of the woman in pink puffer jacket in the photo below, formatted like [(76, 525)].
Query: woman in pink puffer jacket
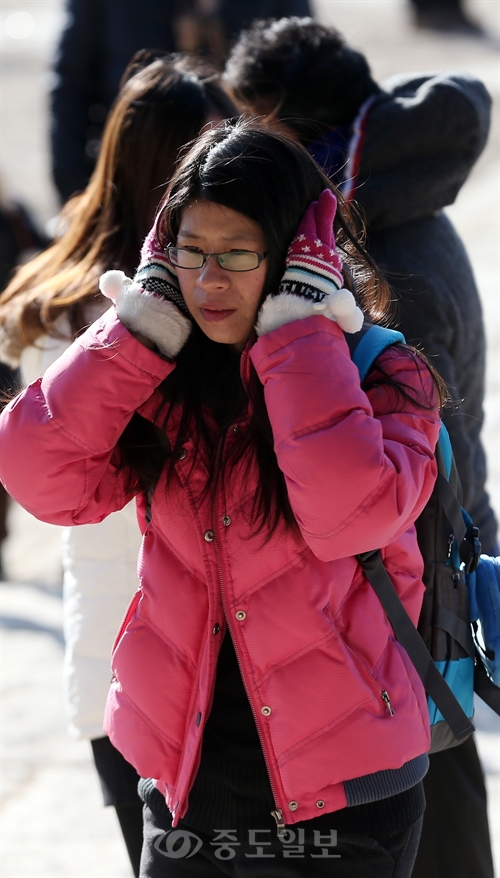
[(221, 393)]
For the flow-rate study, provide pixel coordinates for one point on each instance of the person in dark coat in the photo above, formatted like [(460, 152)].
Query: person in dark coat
[(402, 150), (96, 44)]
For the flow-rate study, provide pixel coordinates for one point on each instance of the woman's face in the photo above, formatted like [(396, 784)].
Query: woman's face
[(223, 303)]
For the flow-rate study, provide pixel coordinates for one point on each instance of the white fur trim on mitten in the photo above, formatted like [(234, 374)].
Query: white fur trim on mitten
[(339, 306), (151, 315), (283, 308)]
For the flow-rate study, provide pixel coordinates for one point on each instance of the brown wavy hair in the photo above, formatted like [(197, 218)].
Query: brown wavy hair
[(162, 105)]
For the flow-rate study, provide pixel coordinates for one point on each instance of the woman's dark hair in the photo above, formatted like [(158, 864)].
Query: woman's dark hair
[(270, 179), (300, 72)]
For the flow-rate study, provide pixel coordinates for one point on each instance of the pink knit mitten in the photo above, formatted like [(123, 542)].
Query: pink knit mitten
[(313, 281), (152, 303)]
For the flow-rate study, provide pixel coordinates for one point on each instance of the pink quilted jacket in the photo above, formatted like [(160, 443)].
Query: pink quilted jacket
[(334, 696)]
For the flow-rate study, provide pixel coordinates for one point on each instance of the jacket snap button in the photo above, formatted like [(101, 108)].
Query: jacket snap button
[(182, 454), (209, 536), (266, 711), (216, 628), (293, 806), (235, 428), (320, 803), (226, 521), (241, 615)]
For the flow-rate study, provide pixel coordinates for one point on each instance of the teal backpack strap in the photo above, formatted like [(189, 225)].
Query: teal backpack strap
[(366, 345), (446, 449)]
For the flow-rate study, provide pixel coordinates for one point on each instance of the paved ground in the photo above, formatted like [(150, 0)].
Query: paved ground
[(53, 824)]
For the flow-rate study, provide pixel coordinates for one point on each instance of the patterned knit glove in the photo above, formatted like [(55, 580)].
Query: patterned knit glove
[(151, 304), (312, 283)]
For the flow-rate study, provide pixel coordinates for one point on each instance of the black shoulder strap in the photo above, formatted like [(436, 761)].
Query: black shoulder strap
[(408, 636)]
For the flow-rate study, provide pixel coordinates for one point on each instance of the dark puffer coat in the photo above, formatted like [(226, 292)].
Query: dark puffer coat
[(97, 42), (414, 147)]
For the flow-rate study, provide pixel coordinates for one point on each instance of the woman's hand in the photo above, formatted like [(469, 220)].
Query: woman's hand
[(313, 281), (151, 305)]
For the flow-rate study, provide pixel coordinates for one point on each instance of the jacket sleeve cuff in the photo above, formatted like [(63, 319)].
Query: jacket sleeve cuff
[(110, 332), (271, 342)]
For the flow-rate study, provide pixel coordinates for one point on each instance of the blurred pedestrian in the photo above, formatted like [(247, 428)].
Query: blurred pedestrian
[(97, 43), (445, 16), (163, 104), (19, 240), (402, 150)]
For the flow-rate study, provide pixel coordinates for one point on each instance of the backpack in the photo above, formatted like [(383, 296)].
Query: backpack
[(484, 593), (442, 648)]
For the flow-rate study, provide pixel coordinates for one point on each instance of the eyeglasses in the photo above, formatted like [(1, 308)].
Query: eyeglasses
[(234, 260)]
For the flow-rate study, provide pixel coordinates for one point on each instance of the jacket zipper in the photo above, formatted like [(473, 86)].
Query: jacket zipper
[(196, 765), (382, 693), (277, 814), (132, 605)]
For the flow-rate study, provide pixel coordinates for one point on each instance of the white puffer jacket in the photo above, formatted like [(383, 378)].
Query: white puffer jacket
[(99, 562)]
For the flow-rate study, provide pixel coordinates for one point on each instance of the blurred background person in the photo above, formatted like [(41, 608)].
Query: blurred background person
[(447, 16), (19, 240), (163, 104), (402, 149), (96, 44)]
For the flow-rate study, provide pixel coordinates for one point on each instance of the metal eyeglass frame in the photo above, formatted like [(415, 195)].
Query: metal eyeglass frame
[(205, 256)]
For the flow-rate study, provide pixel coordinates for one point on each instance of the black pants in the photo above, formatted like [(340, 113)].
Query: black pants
[(186, 853), (118, 781), (455, 839)]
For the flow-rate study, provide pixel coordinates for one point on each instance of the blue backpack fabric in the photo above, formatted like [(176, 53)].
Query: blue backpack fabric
[(443, 648), (484, 593)]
